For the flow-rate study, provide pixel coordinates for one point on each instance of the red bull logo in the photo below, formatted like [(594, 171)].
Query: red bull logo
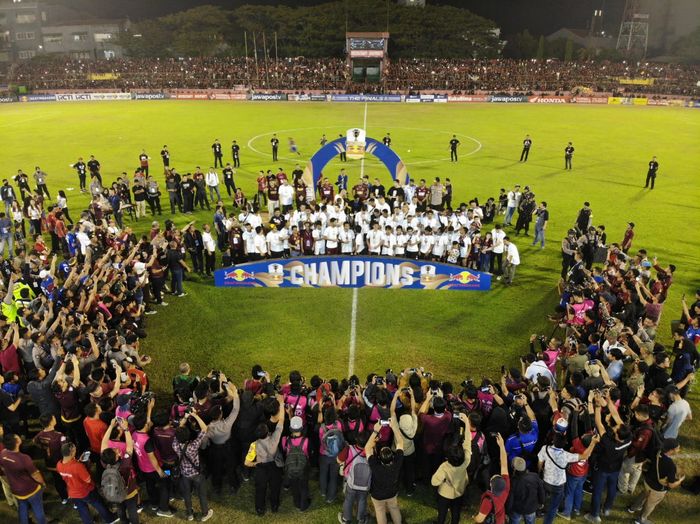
[(239, 275), (465, 277)]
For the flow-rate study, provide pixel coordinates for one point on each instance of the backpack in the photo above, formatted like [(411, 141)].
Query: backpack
[(333, 441), (112, 485), (296, 462), (654, 445), (359, 473)]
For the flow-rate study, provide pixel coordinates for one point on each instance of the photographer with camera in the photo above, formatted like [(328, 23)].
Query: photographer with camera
[(220, 459), (436, 422), (451, 476), (386, 469)]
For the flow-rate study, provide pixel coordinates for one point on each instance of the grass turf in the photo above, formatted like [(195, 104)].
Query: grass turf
[(455, 335)]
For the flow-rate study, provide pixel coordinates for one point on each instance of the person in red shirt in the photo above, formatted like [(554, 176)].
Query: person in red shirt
[(81, 488), (26, 482), (436, 426), (494, 500), (627, 240), (95, 428), (9, 357)]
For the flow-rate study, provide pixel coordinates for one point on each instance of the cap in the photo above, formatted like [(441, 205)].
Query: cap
[(561, 425), (296, 424), (519, 464), (498, 485), (391, 378), (631, 224), (669, 444)]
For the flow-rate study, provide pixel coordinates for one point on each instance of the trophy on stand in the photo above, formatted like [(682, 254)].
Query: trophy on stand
[(355, 143)]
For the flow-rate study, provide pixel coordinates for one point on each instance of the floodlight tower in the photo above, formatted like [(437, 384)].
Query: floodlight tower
[(634, 31)]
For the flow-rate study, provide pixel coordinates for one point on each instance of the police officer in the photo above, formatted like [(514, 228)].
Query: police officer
[(568, 155), (236, 153), (526, 148), (218, 155), (454, 143)]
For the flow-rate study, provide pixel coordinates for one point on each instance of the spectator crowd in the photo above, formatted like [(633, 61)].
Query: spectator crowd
[(596, 407), (332, 75)]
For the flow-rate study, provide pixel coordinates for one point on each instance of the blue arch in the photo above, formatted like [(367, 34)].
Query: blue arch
[(394, 164)]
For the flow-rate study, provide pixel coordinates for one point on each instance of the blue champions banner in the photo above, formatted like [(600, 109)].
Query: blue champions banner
[(352, 272), (366, 98)]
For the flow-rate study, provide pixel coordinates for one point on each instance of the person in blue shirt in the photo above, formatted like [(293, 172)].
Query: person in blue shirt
[(523, 442), (616, 365), (342, 181)]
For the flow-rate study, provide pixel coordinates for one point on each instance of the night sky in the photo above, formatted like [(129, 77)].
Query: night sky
[(538, 16)]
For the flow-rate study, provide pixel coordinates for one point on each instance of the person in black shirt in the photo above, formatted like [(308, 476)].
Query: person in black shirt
[(22, 181), (387, 140), (187, 187), (651, 173), (583, 220), (568, 155), (275, 143), (611, 451), (165, 155), (657, 376), (81, 169), (177, 266), (236, 153), (526, 491), (661, 475), (228, 173), (218, 155), (526, 148), (195, 247), (386, 469), (343, 153), (454, 143), (94, 167)]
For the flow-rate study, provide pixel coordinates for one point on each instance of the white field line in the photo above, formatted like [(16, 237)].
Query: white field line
[(353, 313)]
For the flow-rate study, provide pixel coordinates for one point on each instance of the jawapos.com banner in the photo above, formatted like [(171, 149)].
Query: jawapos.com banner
[(352, 272)]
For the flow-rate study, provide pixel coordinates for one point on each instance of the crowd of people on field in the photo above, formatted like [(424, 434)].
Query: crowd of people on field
[(596, 407), (332, 74)]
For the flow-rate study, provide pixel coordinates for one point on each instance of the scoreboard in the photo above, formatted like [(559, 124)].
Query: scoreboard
[(367, 55)]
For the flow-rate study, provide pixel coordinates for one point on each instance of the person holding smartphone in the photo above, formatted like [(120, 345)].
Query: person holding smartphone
[(81, 488)]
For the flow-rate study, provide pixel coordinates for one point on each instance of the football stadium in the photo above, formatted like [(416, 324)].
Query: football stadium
[(374, 261)]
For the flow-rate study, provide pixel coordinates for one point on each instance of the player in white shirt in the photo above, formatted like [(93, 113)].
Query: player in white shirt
[(346, 237), (401, 241), (330, 234), (409, 190), (286, 193), (512, 261), (259, 244), (427, 240), (465, 245), (249, 240), (360, 246), (388, 242), (374, 240), (413, 241), (274, 243), (319, 240), (440, 245), (497, 235)]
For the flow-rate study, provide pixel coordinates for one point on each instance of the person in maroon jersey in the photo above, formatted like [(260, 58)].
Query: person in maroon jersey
[(325, 191), (143, 162), (422, 194), (299, 192), (237, 245), (50, 442), (627, 240), (361, 190), (273, 196), (281, 175), (307, 240)]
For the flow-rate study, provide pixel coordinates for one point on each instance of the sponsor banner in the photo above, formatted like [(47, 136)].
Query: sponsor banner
[(182, 96), (151, 96), (319, 98), (37, 98), (367, 53), (652, 102), (639, 101), (509, 99), (366, 98), (677, 103), (468, 98), (694, 103), (413, 99), (295, 98), (352, 272), (102, 76), (7, 99), (269, 96), (636, 81), (549, 99), (81, 97), (590, 100), (307, 98)]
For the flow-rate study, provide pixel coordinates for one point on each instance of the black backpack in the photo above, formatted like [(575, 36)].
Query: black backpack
[(296, 461)]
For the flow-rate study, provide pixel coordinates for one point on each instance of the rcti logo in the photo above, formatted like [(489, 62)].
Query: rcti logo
[(238, 275), (465, 277)]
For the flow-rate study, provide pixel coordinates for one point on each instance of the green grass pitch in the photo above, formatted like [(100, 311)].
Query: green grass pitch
[(454, 334)]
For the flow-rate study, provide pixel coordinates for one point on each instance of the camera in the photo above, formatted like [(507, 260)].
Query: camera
[(406, 390), (380, 381), (261, 374), (384, 423), (465, 384), (485, 389)]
